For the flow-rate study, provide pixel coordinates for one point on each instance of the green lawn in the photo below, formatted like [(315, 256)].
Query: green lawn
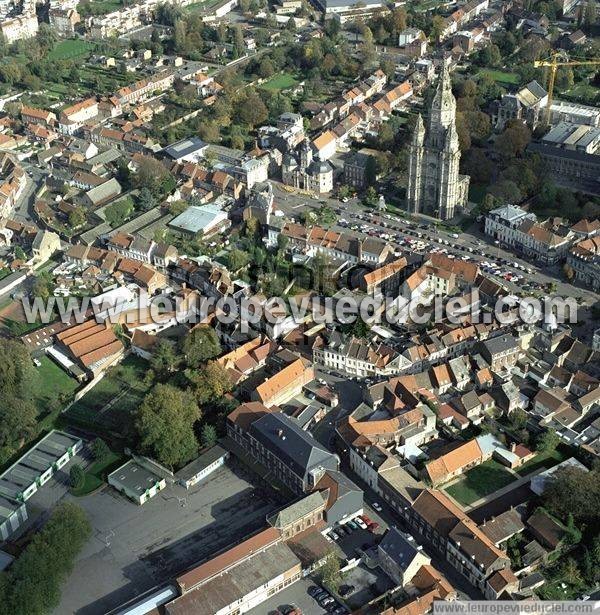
[(123, 386), (100, 7), (500, 76), (65, 50), (479, 482), (96, 473), (282, 81), (200, 6), (584, 93), (53, 384), (542, 461)]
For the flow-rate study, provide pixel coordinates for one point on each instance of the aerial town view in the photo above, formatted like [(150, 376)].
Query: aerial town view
[(299, 307)]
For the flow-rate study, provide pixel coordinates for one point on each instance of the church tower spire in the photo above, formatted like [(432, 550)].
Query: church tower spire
[(443, 107)]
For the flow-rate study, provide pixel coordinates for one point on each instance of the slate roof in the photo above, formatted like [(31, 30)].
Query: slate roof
[(288, 442), (399, 548)]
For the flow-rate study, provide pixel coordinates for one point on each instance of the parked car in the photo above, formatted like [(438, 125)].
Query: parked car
[(376, 506), (361, 524), (346, 590), (313, 590), (373, 526), (334, 535), (352, 525)]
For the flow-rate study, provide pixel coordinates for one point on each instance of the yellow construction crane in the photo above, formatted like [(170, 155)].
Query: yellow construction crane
[(553, 63)]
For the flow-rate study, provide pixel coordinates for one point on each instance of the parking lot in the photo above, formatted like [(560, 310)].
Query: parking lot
[(135, 547), (296, 594)]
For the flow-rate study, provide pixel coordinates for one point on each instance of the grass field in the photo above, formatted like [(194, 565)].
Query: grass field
[(282, 81), (542, 461), (200, 6), (65, 50), (96, 474), (500, 76), (584, 93), (479, 482), (53, 384), (109, 406), (100, 7)]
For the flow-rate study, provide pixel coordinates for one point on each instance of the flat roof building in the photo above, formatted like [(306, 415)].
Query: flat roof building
[(568, 136), (136, 482), (201, 467), (203, 220), (37, 466)]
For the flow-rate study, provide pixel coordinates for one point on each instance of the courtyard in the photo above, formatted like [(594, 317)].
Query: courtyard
[(480, 482), (133, 548)]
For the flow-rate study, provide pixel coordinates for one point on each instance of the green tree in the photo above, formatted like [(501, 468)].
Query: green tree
[(490, 56), (326, 216), (237, 259), (370, 197), (573, 533), (100, 450), (77, 217), (31, 586), (177, 207), (253, 110), (165, 423), (208, 436), (76, 476), (437, 27), (513, 141), (359, 328), (266, 69), (591, 573), (43, 285), (164, 359), (118, 212), (547, 441), (569, 571), (152, 174), (20, 253), (17, 411), (576, 491), (211, 382), (282, 243), (329, 573), (146, 200), (200, 345)]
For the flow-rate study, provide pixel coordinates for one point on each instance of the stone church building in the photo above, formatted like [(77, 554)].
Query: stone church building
[(301, 169), (435, 187)]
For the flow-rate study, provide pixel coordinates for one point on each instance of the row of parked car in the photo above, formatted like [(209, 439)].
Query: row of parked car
[(326, 600), (362, 522)]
